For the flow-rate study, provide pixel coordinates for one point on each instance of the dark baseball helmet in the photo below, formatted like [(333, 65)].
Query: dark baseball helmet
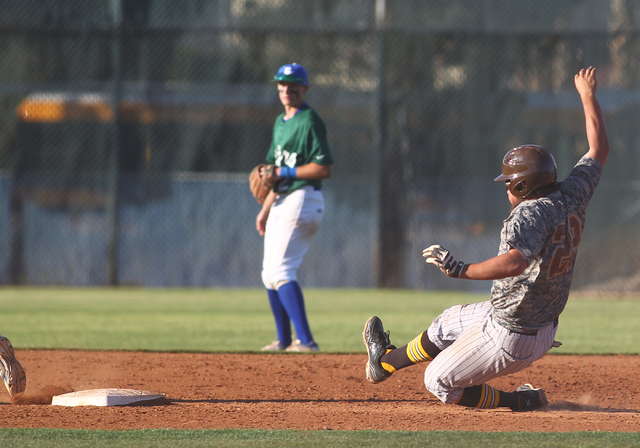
[(292, 73), (527, 168)]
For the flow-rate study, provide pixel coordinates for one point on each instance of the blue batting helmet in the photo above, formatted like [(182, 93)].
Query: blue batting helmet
[(292, 73)]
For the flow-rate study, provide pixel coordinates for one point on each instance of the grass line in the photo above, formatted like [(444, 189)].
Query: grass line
[(62, 438), (239, 320)]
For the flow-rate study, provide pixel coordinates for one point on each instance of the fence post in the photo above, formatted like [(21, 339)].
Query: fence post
[(388, 259), (113, 175)]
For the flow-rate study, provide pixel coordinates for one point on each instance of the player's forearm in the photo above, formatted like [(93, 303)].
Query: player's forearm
[(268, 201), (311, 171), (587, 85), (506, 265), (596, 129)]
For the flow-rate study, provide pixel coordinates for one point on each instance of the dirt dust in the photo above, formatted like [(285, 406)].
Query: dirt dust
[(311, 391)]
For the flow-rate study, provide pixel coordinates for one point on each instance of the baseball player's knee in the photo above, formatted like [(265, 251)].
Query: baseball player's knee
[(266, 280), (275, 281), (284, 275), (283, 282), (442, 391), (430, 382)]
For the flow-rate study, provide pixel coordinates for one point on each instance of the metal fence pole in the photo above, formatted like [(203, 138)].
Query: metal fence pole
[(384, 261), (113, 176)]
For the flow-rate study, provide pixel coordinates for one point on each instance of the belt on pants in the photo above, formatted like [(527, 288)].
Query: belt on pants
[(533, 332), (284, 193)]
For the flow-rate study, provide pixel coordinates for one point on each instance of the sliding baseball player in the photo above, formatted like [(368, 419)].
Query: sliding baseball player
[(467, 346)]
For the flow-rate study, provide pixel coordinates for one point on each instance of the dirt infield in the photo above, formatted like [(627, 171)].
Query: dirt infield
[(319, 391)]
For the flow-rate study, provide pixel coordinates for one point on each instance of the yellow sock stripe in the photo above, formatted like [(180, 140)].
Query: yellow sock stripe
[(489, 397), (386, 366), (415, 352), (483, 397)]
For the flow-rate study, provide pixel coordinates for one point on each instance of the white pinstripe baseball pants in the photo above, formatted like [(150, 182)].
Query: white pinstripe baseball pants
[(475, 349)]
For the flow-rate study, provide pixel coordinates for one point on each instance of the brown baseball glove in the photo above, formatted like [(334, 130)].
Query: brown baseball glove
[(262, 184)]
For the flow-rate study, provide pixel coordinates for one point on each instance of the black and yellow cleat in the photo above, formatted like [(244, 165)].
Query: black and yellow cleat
[(378, 344), (530, 399)]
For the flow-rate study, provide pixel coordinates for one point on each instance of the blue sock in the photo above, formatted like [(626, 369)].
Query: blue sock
[(293, 301), (283, 326)]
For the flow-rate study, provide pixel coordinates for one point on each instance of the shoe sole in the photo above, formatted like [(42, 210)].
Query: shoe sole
[(12, 369), (367, 368), (302, 349), (272, 349)]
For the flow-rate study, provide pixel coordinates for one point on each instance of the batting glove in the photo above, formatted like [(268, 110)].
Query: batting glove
[(442, 258)]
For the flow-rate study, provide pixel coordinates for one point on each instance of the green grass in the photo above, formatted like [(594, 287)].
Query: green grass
[(49, 438), (214, 320), (600, 326)]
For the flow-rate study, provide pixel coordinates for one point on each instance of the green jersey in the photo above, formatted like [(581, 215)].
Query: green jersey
[(298, 141)]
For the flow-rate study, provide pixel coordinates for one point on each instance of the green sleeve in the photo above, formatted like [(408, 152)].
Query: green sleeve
[(319, 146)]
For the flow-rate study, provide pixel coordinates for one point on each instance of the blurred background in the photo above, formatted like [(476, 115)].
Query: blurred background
[(128, 128)]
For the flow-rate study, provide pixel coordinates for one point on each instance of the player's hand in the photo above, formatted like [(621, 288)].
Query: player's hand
[(586, 82), (442, 258), (261, 221)]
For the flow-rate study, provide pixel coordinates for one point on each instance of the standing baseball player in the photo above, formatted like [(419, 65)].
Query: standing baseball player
[(292, 212), (11, 372), (469, 345)]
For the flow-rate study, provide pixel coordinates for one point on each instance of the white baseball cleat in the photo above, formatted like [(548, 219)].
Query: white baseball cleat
[(299, 346), (275, 346)]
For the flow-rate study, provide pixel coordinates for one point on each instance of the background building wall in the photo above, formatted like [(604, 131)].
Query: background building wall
[(127, 129)]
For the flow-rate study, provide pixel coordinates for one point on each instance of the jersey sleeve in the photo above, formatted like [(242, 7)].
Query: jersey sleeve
[(318, 144), (583, 180), (527, 231)]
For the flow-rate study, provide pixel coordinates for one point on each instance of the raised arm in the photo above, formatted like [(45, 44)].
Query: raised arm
[(586, 84)]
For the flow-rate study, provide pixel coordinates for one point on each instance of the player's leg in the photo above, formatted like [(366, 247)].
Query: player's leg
[(283, 324), (444, 330), (292, 299), (452, 322), (483, 352), (271, 260), (483, 396), (384, 358), (419, 350), (301, 220)]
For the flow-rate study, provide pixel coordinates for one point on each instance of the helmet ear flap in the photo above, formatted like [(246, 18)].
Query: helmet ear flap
[(518, 188)]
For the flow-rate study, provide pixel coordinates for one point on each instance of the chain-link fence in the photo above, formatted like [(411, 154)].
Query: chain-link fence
[(128, 127)]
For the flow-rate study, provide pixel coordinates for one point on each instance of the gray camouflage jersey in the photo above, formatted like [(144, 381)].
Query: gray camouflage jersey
[(547, 232)]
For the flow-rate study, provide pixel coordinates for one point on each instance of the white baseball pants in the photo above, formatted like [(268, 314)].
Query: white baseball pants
[(475, 349), (293, 221)]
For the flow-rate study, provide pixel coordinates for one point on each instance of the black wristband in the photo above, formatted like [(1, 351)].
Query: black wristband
[(457, 270)]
